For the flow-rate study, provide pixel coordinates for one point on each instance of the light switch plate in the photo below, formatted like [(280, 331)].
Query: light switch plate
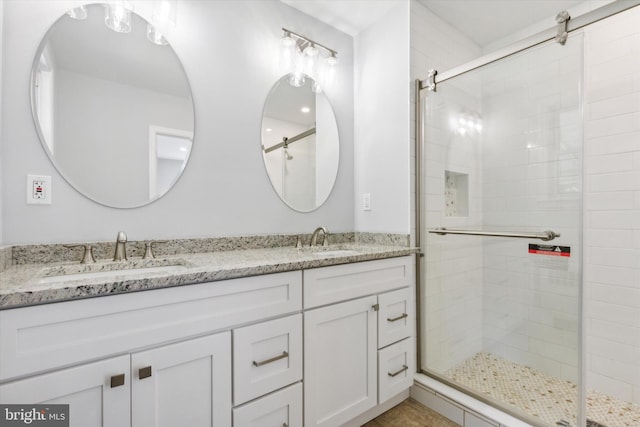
[(366, 202)]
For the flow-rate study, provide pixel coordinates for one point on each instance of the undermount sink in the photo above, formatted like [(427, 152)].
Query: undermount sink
[(109, 269), (336, 253)]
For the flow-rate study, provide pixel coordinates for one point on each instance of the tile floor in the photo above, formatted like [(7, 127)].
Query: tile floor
[(410, 414), (538, 394)]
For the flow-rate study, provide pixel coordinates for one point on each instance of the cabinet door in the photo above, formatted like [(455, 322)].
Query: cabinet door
[(87, 389), (266, 356), (183, 384), (340, 370), (282, 408), (395, 318)]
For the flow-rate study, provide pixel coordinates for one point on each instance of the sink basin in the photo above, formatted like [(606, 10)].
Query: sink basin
[(336, 253), (93, 271)]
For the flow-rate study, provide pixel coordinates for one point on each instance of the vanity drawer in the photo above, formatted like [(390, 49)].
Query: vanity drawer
[(40, 338), (282, 408), (395, 317), (395, 369), (328, 285), (266, 356)]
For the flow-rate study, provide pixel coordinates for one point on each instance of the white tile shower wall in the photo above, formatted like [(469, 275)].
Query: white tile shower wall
[(434, 44), (612, 205), (532, 182), (452, 299)]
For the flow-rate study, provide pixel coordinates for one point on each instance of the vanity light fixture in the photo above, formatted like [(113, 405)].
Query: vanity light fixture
[(332, 60), (311, 50), (117, 16), (79, 13), (287, 40), (162, 18), (296, 79), (304, 55)]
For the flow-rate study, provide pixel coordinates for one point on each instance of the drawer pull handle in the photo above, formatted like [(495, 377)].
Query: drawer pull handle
[(395, 374), (273, 359), (117, 380), (144, 372), (395, 319)]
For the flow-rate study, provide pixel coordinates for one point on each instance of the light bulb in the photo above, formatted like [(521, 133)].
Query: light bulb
[(117, 17), (164, 14), (287, 40), (316, 88), (296, 79), (155, 36), (332, 60), (79, 13), (305, 109), (311, 50)]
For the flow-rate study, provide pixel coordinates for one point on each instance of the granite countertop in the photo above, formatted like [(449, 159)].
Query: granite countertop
[(31, 284)]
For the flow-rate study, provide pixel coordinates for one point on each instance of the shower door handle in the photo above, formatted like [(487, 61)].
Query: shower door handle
[(545, 235)]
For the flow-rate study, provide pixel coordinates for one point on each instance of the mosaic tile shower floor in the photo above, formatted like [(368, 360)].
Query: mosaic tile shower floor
[(538, 394)]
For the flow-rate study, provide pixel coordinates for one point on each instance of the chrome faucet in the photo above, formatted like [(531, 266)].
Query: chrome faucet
[(121, 247), (314, 236)]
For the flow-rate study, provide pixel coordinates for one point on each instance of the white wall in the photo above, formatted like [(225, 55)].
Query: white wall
[(1, 128), (115, 169), (382, 145), (229, 50), (612, 205)]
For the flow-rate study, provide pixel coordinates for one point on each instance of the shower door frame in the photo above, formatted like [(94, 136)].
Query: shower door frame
[(430, 84)]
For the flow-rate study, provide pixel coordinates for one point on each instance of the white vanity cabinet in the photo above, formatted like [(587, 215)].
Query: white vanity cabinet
[(187, 383), (86, 388), (162, 357), (183, 384), (358, 350), (279, 409), (244, 352), (267, 373)]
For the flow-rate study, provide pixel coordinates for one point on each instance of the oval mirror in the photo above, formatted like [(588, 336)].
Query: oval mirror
[(113, 110), (300, 143)]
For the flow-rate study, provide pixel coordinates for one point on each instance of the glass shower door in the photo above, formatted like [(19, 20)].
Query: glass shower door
[(503, 155)]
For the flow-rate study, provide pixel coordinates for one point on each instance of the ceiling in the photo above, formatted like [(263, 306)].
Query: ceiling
[(484, 21)]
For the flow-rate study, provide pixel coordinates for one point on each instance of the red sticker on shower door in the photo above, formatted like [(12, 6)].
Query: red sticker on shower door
[(551, 250)]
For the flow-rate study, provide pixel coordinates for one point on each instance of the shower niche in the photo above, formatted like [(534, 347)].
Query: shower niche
[(456, 194)]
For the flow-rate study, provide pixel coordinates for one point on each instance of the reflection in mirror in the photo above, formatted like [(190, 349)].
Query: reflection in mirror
[(300, 143), (113, 110)]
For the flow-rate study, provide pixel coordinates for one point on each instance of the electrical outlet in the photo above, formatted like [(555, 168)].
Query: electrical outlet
[(366, 201), (38, 190)]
